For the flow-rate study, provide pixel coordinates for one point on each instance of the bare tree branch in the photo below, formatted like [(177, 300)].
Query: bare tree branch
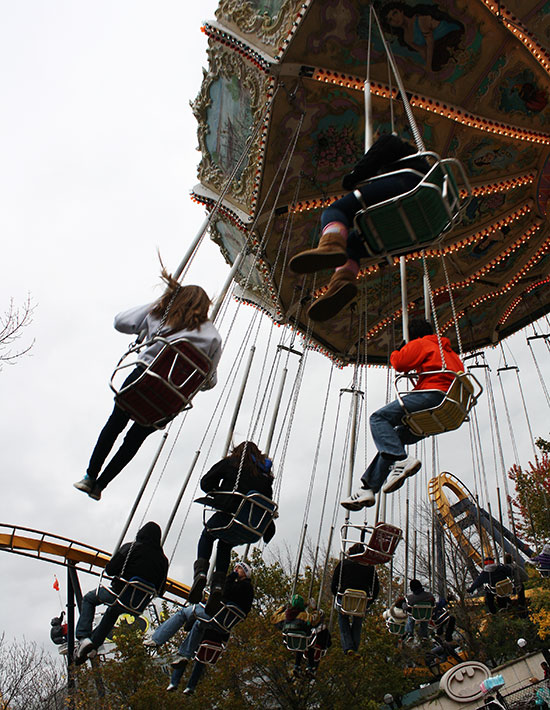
[(12, 324)]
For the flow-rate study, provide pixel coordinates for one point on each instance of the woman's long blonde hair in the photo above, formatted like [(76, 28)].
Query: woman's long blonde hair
[(186, 307)]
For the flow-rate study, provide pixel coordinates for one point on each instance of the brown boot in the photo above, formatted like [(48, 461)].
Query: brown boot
[(329, 254), (341, 290)]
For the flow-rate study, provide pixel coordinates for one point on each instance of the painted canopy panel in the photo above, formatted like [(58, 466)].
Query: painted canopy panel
[(284, 92)]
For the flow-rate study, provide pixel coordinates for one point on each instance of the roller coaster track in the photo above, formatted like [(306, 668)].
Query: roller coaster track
[(63, 551)]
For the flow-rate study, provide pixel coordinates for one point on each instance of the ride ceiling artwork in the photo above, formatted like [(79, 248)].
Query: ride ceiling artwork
[(290, 74)]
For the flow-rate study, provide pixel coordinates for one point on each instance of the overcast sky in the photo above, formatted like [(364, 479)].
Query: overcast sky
[(98, 147)]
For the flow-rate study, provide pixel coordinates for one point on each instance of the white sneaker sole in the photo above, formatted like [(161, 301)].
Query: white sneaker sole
[(398, 481)]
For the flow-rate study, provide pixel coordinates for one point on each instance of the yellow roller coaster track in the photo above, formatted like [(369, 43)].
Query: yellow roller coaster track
[(64, 551), (436, 488)]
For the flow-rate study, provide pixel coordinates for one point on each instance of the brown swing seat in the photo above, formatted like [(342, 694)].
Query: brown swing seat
[(450, 413), (502, 588), (166, 386), (383, 541), (418, 218)]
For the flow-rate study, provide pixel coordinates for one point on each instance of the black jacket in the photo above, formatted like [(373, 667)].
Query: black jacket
[(491, 574), (222, 477), (355, 576), (143, 558), (239, 592), (381, 158)]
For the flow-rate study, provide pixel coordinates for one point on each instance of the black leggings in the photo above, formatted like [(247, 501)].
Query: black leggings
[(134, 438)]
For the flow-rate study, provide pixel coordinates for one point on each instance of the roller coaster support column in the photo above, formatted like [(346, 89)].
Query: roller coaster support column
[(71, 577)]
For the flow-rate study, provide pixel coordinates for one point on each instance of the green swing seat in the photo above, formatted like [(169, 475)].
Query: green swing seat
[(418, 218)]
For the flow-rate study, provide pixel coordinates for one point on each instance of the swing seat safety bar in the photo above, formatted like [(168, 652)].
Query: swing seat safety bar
[(296, 640), (166, 386), (134, 596), (228, 616), (353, 602), (383, 541), (502, 588), (394, 623), (209, 652), (418, 218), (421, 612), (450, 413), (253, 512)]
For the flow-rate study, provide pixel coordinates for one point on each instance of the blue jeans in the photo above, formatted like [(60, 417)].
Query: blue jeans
[(196, 673), (344, 209), (390, 436), (423, 627), (172, 625), (350, 631), (89, 603)]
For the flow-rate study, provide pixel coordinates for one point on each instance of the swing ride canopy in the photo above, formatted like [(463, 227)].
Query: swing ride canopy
[(289, 75)]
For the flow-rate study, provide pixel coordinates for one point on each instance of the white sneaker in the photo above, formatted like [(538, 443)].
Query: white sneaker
[(363, 498), (171, 688), (86, 649), (399, 472), (149, 643)]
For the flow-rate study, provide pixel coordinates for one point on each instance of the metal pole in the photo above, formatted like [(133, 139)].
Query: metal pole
[(180, 496), (225, 288), (70, 636), (368, 115), (276, 410), (406, 572), (356, 395), (239, 401), (299, 560), (331, 534), (405, 312), (194, 244), (141, 492)]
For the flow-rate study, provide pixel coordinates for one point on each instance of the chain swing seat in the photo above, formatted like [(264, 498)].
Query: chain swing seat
[(228, 616), (319, 651), (209, 652), (450, 413), (502, 588), (240, 518), (396, 621), (421, 611), (418, 218), (296, 640), (135, 595), (543, 571), (352, 602), (383, 541), (165, 386)]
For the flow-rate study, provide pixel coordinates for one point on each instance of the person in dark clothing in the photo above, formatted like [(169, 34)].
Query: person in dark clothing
[(246, 469), (519, 577), (340, 246), (491, 574), (58, 631), (350, 574), (238, 590), (143, 558), (444, 622), (418, 595), (320, 642)]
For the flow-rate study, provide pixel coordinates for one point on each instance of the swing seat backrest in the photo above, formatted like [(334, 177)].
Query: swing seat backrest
[(209, 652), (502, 588), (450, 413), (396, 626), (422, 611), (353, 602), (381, 546), (296, 640), (167, 385), (318, 652), (135, 595), (418, 218), (228, 616), (253, 513)]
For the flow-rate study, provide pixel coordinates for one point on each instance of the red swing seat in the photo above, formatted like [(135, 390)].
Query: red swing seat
[(209, 652), (381, 546), (166, 386)]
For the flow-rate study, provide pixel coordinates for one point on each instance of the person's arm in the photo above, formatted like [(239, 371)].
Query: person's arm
[(116, 564), (409, 357), (214, 355), (212, 479), (335, 580), (132, 321)]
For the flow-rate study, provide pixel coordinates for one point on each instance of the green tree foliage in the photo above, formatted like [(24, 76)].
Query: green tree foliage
[(256, 668), (532, 499)]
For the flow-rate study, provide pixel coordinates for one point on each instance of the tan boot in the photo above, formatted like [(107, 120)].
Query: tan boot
[(341, 290), (329, 254)]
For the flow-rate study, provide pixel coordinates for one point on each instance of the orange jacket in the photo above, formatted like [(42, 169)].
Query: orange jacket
[(423, 354)]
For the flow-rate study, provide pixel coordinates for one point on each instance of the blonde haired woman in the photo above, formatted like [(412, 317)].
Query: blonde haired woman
[(185, 313)]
